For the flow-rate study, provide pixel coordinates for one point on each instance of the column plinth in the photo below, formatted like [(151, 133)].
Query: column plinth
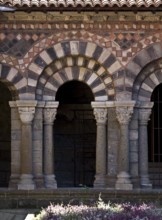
[(124, 114), (26, 111), (50, 111), (144, 115), (100, 112)]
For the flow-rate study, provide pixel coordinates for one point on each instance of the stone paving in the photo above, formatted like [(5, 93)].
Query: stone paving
[(16, 214)]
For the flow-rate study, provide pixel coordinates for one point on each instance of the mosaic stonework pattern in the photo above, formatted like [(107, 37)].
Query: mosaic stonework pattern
[(120, 49), (17, 44), (132, 43)]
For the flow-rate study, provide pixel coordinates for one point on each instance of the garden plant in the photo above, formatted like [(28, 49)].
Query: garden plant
[(101, 211)]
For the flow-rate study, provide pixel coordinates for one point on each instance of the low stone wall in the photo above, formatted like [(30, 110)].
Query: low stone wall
[(14, 199)]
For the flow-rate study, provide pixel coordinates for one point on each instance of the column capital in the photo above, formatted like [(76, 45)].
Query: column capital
[(100, 112), (144, 115), (50, 111), (12, 104), (26, 110), (124, 114), (145, 109), (100, 115)]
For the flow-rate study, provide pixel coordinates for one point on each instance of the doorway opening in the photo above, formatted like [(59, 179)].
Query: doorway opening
[(74, 136), (155, 139), (5, 135)]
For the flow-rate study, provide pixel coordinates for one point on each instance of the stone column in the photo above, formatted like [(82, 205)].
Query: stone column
[(49, 117), (144, 115), (100, 112), (26, 111), (113, 135), (15, 145), (38, 145), (124, 112)]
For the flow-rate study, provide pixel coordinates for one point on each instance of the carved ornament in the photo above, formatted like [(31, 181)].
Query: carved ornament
[(26, 114), (100, 115), (124, 114), (49, 115)]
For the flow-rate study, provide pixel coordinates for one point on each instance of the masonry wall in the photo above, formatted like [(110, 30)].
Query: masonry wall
[(118, 55)]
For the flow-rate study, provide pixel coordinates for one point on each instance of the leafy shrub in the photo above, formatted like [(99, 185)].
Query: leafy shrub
[(100, 211)]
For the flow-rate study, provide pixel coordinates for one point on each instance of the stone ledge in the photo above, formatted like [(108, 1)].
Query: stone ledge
[(35, 199)]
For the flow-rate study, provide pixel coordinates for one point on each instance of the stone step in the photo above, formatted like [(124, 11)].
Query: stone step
[(16, 214)]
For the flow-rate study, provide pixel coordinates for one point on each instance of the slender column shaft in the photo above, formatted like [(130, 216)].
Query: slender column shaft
[(15, 145), (26, 111), (100, 113), (26, 149), (144, 114), (124, 149), (49, 117), (48, 151), (101, 150), (124, 113), (38, 146)]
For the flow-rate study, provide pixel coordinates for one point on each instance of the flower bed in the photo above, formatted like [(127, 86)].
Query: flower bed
[(100, 211)]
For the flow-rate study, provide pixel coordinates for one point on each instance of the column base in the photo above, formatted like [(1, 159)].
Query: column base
[(100, 181), (145, 182), (136, 182), (123, 181), (14, 180), (26, 182), (50, 181), (39, 182), (110, 181)]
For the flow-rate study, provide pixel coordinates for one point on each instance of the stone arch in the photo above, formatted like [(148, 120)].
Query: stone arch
[(147, 80), (13, 79), (75, 68), (96, 56), (136, 65)]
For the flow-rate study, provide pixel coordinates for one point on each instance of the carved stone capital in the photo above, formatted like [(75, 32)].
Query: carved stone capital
[(49, 115), (26, 110), (124, 114), (100, 115), (144, 115), (26, 114), (144, 109), (50, 111)]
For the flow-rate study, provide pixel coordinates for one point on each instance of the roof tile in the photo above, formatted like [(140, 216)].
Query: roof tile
[(83, 3)]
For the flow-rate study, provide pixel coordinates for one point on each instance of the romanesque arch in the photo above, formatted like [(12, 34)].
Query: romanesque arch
[(70, 54), (134, 69), (144, 86), (147, 80), (75, 68), (14, 80)]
